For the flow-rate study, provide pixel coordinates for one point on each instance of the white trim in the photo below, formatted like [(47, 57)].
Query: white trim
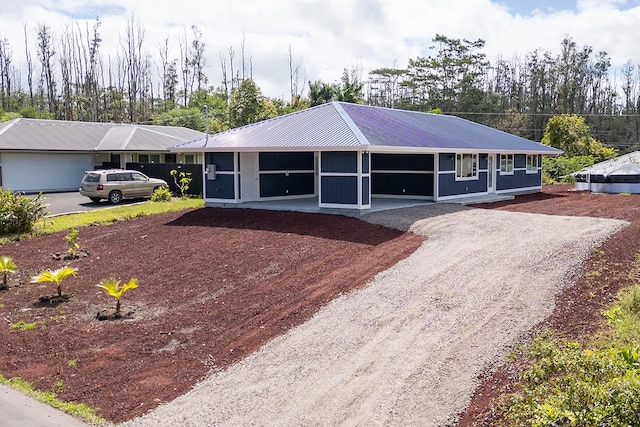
[(286, 172), (513, 164), (474, 177), (415, 172)]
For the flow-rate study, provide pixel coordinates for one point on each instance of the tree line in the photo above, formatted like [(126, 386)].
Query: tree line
[(68, 77)]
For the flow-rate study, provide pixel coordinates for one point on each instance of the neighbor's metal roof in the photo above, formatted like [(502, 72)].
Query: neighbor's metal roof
[(55, 135), (339, 125), (609, 166)]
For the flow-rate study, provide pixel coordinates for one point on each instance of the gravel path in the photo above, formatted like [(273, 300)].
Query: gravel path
[(408, 348)]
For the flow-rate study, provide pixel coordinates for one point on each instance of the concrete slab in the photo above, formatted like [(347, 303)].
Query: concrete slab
[(20, 410)]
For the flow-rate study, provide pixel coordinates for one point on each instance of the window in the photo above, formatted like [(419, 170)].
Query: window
[(532, 163), (148, 158), (506, 164), (466, 166), (190, 158), (138, 177)]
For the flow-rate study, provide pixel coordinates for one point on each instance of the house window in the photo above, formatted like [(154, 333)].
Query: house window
[(190, 158), (148, 158), (466, 166), (506, 164), (532, 163)]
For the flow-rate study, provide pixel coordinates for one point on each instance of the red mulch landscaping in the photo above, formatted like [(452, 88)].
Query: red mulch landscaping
[(214, 286), (578, 309)]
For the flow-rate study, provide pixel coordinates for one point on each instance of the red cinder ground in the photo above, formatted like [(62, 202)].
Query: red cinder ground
[(214, 286)]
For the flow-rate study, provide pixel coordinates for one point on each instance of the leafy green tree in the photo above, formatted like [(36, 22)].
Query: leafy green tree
[(248, 105), (320, 93), (572, 135)]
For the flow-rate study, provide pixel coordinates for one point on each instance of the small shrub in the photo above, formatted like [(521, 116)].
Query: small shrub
[(182, 180), (162, 194), (72, 241), (18, 213), (113, 288), (6, 266), (55, 276)]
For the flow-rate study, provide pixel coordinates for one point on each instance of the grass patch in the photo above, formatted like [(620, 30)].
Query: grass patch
[(105, 216), (78, 410), (21, 325)]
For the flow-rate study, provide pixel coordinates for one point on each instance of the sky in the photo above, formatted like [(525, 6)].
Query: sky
[(327, 36)]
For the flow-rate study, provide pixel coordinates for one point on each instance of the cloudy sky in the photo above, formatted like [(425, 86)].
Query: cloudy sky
[(326, 36)]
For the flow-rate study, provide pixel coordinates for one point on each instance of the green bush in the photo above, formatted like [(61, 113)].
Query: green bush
[(572, 385), (18, 213), (162, 194)]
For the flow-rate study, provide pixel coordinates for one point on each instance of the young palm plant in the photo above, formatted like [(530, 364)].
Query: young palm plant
[(6, 266), (113, 288), (55, 276)]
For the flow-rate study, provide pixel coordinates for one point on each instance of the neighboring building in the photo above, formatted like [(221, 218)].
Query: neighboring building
[(619, 175), (50, 155), (346, 154)]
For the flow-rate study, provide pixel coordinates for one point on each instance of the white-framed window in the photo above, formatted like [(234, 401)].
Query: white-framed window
[(506, 164), (190, 158), (532, 163), (466, 166)]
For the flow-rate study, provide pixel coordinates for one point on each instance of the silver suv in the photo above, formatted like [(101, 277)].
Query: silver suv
[(116, 184)]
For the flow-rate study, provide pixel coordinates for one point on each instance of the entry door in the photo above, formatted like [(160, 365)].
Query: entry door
[(249, 188), (491, 173)]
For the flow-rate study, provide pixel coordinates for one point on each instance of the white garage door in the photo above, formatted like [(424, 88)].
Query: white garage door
[(43, 171)]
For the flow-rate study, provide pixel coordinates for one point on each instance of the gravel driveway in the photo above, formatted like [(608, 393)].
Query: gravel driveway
[(408, 348)]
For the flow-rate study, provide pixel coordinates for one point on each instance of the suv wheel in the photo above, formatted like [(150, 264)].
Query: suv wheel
[(115, 197)]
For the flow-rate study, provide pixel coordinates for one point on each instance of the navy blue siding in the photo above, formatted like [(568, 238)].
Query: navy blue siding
[(220, 188), (365, 190), (286, 161), (365, 162), (447, 162), (402, 162), (483, 161), (520, 161), (223, 161), (281, 184), (339, 161), (402, 184), (519, 179), (448, 186), (339, 189)]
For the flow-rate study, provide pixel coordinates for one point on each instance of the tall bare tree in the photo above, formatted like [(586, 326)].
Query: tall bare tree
[(46, 52)]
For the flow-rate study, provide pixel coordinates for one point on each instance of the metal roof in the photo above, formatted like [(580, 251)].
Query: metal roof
[(609, 166), (54, 135), (339, 125)]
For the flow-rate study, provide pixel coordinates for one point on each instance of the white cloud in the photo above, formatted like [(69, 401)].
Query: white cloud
[(330, 35)]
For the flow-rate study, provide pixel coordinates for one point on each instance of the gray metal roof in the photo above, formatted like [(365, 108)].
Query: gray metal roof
[(610, 166), (339, 125), (54, 135)]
